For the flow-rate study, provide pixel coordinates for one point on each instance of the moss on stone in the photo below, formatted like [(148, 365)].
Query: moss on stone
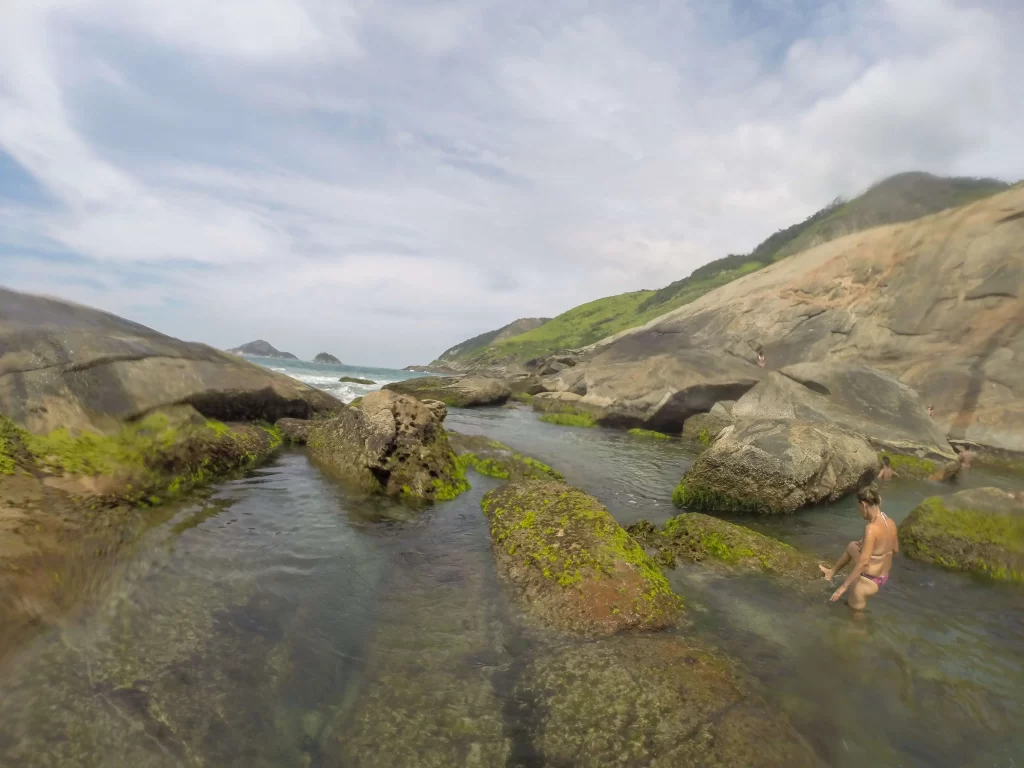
[(650, 433), (570, 418), (692, 495), (575, 565), (909, 466), (494, 459), (523, 397), (979, 530), (10, 445), (704, 437), (448, 487)]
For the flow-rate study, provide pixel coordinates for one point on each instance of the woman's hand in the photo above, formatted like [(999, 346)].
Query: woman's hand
[(837, 594)]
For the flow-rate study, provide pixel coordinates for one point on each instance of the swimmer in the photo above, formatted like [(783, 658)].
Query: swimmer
[(887, 472), (872, 556), (966, 457)]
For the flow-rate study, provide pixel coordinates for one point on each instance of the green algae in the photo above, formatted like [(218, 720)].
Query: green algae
[(10, 442), (555, 540), (570, 418), (497, 460), (523, 397), (689, 494), (650, 433), (909, 466), (704, 437), (961, 538), (454, 483)]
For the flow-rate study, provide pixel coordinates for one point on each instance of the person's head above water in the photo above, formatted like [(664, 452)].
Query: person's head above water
[(868, 498), (886, 462)]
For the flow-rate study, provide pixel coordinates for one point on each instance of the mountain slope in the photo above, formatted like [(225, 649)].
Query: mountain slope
[(261, 348), (470, 346), (903, 197)]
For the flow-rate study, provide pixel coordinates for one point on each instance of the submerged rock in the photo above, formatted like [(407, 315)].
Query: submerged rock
[(390, 443), (775, 467), (491, 458), (979, 529), (454, 391), (649, 700), (694, 537), (862, 401), (574, 567), (356, 380)]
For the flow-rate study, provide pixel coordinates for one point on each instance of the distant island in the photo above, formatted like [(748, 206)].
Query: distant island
[(325, 357), (261, 348)]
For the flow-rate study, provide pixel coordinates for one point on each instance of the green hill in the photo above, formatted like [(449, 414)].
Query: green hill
[(470, 346), (903, 197)]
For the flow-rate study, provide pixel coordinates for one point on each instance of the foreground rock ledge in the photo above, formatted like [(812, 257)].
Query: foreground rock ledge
[(494, 459), (651, 700), (575, 568), (392, 444), (980, 530), (775, 467), (454, 391)]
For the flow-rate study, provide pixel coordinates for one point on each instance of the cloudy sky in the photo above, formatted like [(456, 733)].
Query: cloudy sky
[(384, 179)]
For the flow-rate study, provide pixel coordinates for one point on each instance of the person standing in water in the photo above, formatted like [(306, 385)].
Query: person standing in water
[(872, 556), (887, 472), (966, 457)]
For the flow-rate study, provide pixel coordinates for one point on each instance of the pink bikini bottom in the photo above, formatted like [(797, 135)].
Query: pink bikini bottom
[(879, 580)]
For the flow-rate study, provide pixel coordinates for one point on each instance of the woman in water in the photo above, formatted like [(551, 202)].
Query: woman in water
[(872, 556)]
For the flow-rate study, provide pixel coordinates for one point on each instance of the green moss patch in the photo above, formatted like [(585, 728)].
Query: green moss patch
[(576, 568), (570, 418), (910, 466), (494, 459), (523, 397), (693, 495), (979, 530), (649, 433)]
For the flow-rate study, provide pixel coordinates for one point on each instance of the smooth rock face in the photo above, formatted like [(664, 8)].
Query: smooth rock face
[(886, 412), (937, 302), (659, 700), (573, 566), (775, 467), (63, 365), (979, 529), (390, 443), (653, 388), (455, 392)]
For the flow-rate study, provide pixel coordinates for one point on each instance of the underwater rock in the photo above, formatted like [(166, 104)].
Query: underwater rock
[(775, 467), (649, 700), (455, 392), (356, 380), (979, 529), (392, 444), (491, 458), (572, 565), (694, 537)]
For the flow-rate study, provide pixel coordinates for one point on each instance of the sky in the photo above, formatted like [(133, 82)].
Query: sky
[(382, 180)]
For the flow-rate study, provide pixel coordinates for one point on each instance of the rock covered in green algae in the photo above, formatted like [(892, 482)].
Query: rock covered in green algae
[(979, 529), (575, 568), (775, 467), (649, 700), (295, 430), (390, 443), (491, 458), (467, 392), (160, 455), (694, 537)]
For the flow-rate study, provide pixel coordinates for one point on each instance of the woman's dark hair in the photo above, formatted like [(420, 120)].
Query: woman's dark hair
[(869, 495), (886, 461)]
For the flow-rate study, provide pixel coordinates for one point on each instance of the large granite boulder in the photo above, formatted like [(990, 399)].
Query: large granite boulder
[(574, 567), (659, 700), (693, 537), (886, 412), (392, 444), (457, 392), (64, 365), (936, 303), (776, 467), (653, 388), (979, 529)]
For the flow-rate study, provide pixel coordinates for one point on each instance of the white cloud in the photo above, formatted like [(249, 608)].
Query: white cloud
[(384, 180)]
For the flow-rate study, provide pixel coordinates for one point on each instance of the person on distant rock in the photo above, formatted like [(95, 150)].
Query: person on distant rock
[(887, 472), (931, 411), (872, 556), (760, 358)]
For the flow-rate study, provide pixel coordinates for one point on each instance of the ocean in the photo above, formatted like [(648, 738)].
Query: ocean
[(325, 375)]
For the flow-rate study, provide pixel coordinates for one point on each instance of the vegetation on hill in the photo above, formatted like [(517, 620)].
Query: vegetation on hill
[(903, 197), (477, 343)]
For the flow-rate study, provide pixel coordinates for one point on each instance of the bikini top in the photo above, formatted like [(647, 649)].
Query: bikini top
[(883, 554)]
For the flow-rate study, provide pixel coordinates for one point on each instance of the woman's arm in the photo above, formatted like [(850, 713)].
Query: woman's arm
[(862, 562)]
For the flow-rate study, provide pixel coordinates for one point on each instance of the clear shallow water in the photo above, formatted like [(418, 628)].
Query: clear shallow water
[(285, 621)]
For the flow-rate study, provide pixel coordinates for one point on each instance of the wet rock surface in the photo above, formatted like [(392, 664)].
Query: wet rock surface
[(494, 459), (456, 392), (979, 529), (295, 430), (390, 443), (573, 567), (775, 467)]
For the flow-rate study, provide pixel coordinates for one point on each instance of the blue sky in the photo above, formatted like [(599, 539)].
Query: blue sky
[(383, 180)]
